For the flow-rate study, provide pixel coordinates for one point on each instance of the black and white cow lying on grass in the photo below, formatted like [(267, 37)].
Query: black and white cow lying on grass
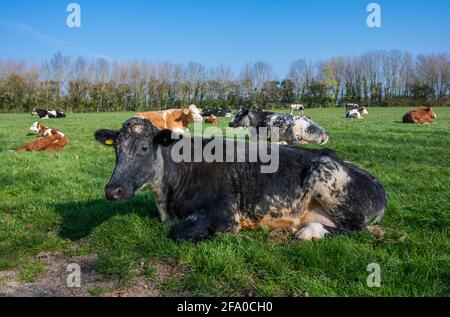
[(313, 193), (48, 114), (220, 112), (357, 113), (291, 129)]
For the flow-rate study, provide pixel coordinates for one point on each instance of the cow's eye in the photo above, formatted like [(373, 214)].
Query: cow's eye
[(145, 149)]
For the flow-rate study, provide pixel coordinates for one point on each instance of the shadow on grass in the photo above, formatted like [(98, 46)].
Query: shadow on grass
[(79, 218)]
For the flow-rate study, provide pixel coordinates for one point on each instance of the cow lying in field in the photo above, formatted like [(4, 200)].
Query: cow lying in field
[(44, 131), (48, 114), (357, 113), (313, 193), (291, 129), (54, 142), (176, 120), (220, 112), (420, 116)]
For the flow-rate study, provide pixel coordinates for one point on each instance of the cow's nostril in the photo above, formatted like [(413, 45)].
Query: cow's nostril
[(114, 193)]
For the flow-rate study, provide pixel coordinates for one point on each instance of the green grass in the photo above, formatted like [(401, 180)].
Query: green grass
[(55, 202)]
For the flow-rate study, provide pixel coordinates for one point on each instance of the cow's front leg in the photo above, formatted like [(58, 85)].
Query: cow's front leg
[(194, 228), (202, 225)]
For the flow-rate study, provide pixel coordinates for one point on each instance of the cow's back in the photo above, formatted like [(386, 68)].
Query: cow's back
[(155, 117), (167, 119)]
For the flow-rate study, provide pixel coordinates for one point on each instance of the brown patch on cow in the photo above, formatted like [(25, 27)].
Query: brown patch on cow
[(313, 213), (420, 116), (268, 222)]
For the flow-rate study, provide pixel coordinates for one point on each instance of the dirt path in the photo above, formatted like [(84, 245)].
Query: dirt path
[(54, 282)]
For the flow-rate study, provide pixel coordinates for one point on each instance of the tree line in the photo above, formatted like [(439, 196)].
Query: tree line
[(379, 78)]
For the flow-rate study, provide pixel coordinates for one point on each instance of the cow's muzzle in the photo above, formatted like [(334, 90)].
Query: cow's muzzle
[(324, 138), (115, 192)]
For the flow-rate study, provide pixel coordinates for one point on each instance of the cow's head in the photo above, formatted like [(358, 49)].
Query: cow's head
[(241, 119), (195, 113), (137, 159), (431, 113), (309, 131), (36, 127)]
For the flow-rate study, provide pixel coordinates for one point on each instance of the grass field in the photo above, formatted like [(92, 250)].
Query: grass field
[(54, 202)]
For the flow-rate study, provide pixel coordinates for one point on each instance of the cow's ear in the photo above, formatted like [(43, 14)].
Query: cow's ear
[(164, 138), (106, 137)]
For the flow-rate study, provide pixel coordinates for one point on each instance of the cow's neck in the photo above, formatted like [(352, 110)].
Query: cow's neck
[(158, 184), (257, 119)]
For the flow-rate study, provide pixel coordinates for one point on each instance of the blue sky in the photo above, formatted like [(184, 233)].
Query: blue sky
[(216, 32)]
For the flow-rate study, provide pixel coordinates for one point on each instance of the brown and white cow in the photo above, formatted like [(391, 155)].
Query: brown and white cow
[(420, 116), (176, 120), (43, 131), (53, 142)]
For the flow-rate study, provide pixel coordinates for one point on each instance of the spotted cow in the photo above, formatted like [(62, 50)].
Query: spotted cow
[(357, 113), (313, 192), (290, 129), (220, 112), (48, 114)]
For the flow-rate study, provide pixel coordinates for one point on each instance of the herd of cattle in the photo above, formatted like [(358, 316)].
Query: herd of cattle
[(313, 193)]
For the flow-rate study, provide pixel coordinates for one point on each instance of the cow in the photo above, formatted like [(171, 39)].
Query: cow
[(220, 112), (291, 129), (44, 131), (357, 113), (212, 119), (300, 108), (420, 116), (313, 193), (48, 114), (176, 120), (53, 142)]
